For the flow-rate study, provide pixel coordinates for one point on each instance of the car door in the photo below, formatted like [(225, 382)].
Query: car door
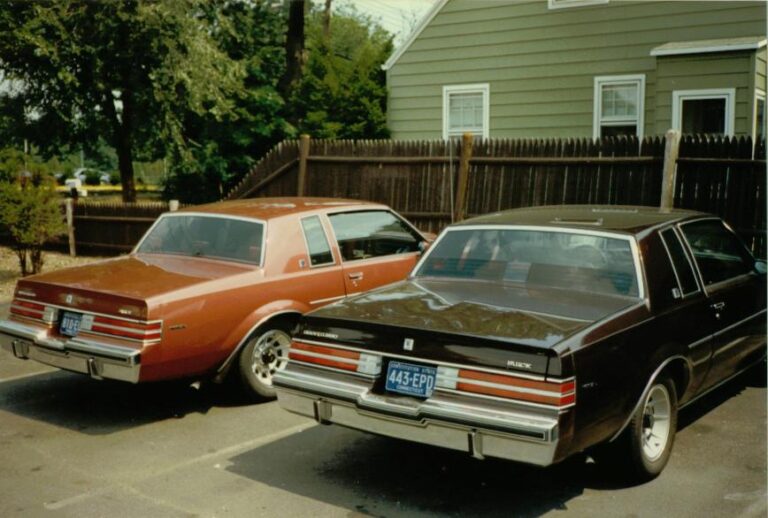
[(377, 247), (735, 294)]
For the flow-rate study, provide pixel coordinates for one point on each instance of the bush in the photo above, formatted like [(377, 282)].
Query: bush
[(33, 216), (92, 177), (114, 178)]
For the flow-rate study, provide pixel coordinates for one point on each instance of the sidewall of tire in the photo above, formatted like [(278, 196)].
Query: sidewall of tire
[(641, 468), (251, 385)]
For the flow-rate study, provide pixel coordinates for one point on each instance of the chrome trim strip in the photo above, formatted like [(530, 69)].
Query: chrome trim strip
[(699, 342), (433, 362), (724, 330), (730, 345), (329, 299)]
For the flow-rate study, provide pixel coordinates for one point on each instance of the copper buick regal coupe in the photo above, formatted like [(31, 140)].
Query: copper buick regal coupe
[(210, 289), (534, 334)]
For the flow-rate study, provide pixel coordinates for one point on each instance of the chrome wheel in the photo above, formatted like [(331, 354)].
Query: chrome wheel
[(269, 355), (656, 422)]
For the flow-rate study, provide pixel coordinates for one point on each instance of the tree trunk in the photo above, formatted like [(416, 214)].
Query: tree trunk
[(327, 22), (294, 48), (122, 140)]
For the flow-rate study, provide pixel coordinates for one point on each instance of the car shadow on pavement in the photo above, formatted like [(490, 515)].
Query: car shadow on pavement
[(78, 403), (380, 476)]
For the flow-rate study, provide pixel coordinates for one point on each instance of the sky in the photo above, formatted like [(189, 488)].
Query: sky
[(399, 17)]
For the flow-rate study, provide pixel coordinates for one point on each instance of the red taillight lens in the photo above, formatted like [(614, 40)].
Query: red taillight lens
[(145, 331), (550, 392), (336, 358), (29, 309)]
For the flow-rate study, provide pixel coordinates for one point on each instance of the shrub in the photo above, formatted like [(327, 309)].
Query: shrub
[(92, 177), (114, 178), (33, 216)]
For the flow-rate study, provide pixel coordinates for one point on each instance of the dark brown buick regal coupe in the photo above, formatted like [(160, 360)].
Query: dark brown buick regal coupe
[(534, 334)]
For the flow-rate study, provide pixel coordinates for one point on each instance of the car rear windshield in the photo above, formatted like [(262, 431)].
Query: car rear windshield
[(213, 237), (533, 258)]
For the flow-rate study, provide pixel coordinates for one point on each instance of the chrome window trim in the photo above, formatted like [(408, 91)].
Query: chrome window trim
[(209, 215), (639, 274), (306, 242)]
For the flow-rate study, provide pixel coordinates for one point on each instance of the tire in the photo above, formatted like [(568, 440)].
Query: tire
[(651, 432), (264, 353)]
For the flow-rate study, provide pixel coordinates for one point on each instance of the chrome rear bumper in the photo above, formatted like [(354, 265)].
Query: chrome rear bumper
[(96, 359), (458, 425)]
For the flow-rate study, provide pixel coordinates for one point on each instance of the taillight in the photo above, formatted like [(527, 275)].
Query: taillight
[(143, 331), (29, 309), (336, 358), (559, 393)]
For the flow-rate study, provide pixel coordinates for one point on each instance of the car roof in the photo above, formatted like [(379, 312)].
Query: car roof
[(269, 208), (618, 218)]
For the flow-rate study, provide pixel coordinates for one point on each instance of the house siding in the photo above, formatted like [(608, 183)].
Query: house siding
[(540, 64)]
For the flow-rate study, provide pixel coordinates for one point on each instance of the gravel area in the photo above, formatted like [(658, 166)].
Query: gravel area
[(9, 268)]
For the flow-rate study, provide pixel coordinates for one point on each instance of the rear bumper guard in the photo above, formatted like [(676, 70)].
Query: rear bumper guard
[(491, 432), (96, 359)]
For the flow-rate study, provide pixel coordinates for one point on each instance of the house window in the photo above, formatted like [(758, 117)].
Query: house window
[(465, 110), (759, 115), (704, 111), (618, 106), (560, 4)]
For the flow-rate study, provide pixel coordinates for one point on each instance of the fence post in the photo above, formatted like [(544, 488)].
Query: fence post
[(303, 154), (173, 205), (463, 181), (69, 204), (671, 151)]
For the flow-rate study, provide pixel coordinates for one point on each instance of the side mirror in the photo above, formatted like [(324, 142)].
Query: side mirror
[(761, 267), (423, 246)]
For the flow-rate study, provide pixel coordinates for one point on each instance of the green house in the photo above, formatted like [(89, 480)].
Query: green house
[(580, 68)]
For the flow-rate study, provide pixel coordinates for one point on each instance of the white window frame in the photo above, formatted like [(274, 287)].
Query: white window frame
[(563, 4), (759, 95), (598, 121), (729, 94), (482, 88)]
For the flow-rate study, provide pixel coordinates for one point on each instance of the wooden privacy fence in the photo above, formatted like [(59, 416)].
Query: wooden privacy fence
[(113, 227), (435, 182)]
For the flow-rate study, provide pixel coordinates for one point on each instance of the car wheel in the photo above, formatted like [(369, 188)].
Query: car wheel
[(651, 431), (265, 352)]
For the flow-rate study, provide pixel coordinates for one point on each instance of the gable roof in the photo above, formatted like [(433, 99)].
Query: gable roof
[(415, 34)]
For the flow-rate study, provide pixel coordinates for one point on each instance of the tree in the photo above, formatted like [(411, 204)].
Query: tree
[(342, 93), (130, 71)]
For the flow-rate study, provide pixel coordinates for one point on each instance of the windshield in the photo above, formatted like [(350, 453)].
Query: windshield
[(214, 237), (532, 258)]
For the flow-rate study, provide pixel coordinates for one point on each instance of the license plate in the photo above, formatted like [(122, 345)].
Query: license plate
[(410, 379), (70, 323)]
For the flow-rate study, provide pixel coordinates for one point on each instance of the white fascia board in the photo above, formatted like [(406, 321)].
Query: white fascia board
[(415, 34), (681, 51)]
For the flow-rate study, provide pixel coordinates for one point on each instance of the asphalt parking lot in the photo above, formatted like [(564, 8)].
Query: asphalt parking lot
[(71, 446)]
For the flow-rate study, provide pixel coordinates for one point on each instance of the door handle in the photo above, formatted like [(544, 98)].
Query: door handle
[(356, 276), (717, 306)]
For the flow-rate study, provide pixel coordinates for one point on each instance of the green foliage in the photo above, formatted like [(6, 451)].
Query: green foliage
[(343, 91), (32, 215)]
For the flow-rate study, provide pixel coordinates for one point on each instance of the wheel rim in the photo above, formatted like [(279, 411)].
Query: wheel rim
[(270, 355), (656, 422)]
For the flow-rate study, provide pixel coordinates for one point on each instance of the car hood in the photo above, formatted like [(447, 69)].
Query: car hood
[(141, 276), (534, 317)]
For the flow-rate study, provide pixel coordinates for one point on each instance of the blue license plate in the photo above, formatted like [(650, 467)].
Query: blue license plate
[(410, 379), (70, 324)]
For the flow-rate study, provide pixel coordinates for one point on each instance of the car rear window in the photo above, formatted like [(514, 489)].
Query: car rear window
[(556, 259), (214, 237)]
